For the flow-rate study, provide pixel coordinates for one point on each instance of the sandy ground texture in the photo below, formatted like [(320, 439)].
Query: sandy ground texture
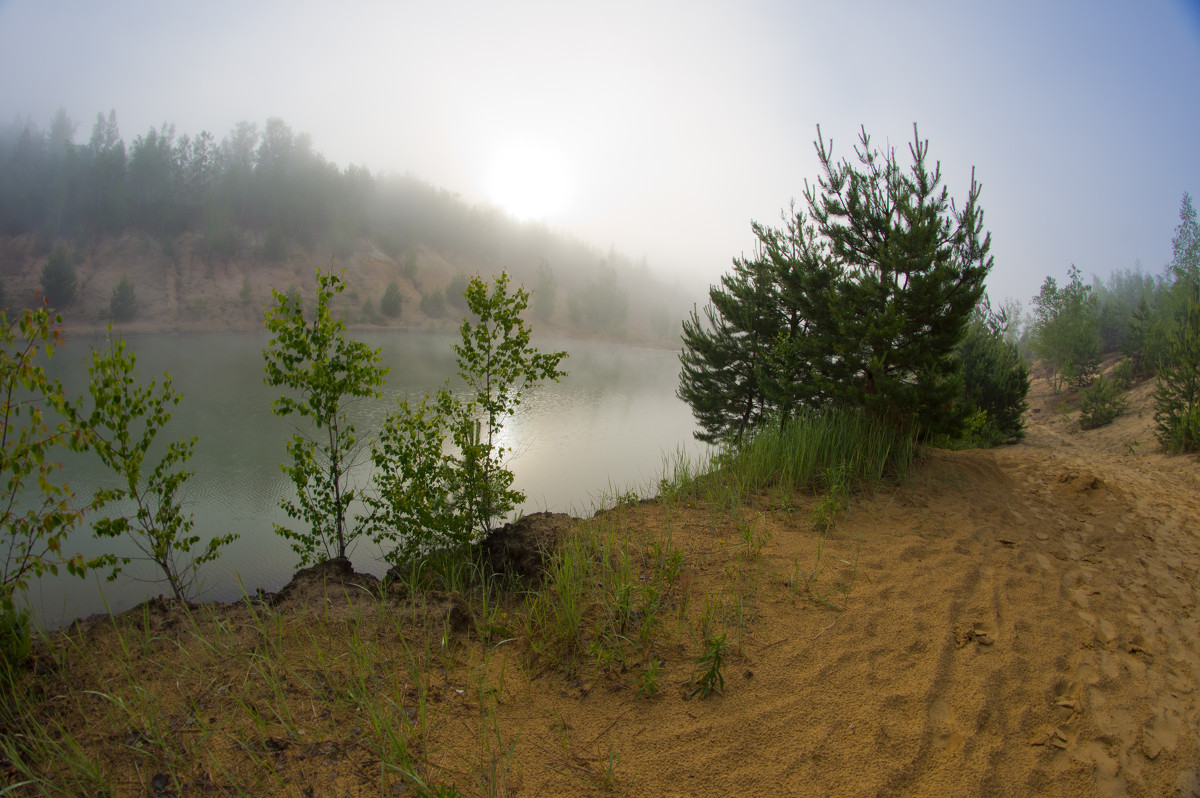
[(1021, 621)]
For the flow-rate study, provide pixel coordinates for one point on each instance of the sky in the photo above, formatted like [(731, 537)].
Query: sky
[(664, 128)]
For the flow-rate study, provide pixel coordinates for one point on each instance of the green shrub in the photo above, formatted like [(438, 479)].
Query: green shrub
[(368, 312), (408, 266), (392, 301), (1101, 403), (31, 537), (1065, 332), (123, 305), (1123, 374), (649, 684), (995, 381), (426, 499), (456, 292), (58, 278), (388, 243), (413, 506), (836, 500), (123, 425), (433, 304), (274, 246), (1177, 399), (1186, 435), (15, 642), (321, 369), (708, 678)]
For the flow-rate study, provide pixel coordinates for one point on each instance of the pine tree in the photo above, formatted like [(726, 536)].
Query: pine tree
[(392, 301), (58, 278), (1136, 343), (1177, 399), (123, 305), (1066, 330), (905, 269), (725, 358), (1185, 265), (1080, 328), (995, 376), (870, 292)]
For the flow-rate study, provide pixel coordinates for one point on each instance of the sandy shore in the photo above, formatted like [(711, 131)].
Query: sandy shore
[(1021, 621), (1024, 623)]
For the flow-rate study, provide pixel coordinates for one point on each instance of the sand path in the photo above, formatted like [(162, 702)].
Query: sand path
[(1022, 622)]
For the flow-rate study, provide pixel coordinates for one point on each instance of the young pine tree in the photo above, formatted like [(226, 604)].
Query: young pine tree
[(1177, 399), (58, 278), (858, 301), (995, 376), (123, 305)]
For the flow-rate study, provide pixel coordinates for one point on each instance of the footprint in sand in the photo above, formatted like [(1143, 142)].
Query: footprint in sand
[(1066, 699), (1102, 628), (947, 738), (1107, 766), (1162, 733), (981, 632), (1087, 672), (1065, 735)]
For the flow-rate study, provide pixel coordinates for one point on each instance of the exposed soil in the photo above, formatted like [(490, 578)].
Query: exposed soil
[(1022, 621), (178, 291)]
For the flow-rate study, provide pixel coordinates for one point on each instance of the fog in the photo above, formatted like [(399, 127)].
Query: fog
[(662, 130)]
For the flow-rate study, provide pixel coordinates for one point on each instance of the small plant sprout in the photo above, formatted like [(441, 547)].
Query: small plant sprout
[(708, 678), (649, 683), (753, 537)]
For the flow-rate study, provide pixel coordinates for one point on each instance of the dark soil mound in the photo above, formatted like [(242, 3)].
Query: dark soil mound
[(521, 549), (335, 576)]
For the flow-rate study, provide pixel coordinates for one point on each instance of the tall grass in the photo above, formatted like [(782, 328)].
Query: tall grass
[(795, 455), (599, 603)]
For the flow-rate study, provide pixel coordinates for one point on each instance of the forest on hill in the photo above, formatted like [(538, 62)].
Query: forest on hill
[(176, 231)]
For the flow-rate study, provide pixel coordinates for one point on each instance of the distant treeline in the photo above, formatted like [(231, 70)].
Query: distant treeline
[(1154, 320), (1072, 326), (260, 190)]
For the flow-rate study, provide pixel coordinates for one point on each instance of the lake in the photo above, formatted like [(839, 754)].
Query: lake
[(604, 428)]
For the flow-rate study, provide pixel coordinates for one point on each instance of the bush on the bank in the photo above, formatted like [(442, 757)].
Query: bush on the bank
[(1101, 403)]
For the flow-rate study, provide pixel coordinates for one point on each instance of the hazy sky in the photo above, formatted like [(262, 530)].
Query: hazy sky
[(664, 128)]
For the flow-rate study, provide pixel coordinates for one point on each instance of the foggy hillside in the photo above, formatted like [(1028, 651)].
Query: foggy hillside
[(202, 230)]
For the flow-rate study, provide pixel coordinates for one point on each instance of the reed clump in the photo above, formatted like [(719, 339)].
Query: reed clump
[(795, 455)]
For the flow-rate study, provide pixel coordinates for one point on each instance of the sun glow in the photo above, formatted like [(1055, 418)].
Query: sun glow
[(530, 182)]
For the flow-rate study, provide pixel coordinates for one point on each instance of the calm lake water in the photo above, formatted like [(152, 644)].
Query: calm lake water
[(605, 427)]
